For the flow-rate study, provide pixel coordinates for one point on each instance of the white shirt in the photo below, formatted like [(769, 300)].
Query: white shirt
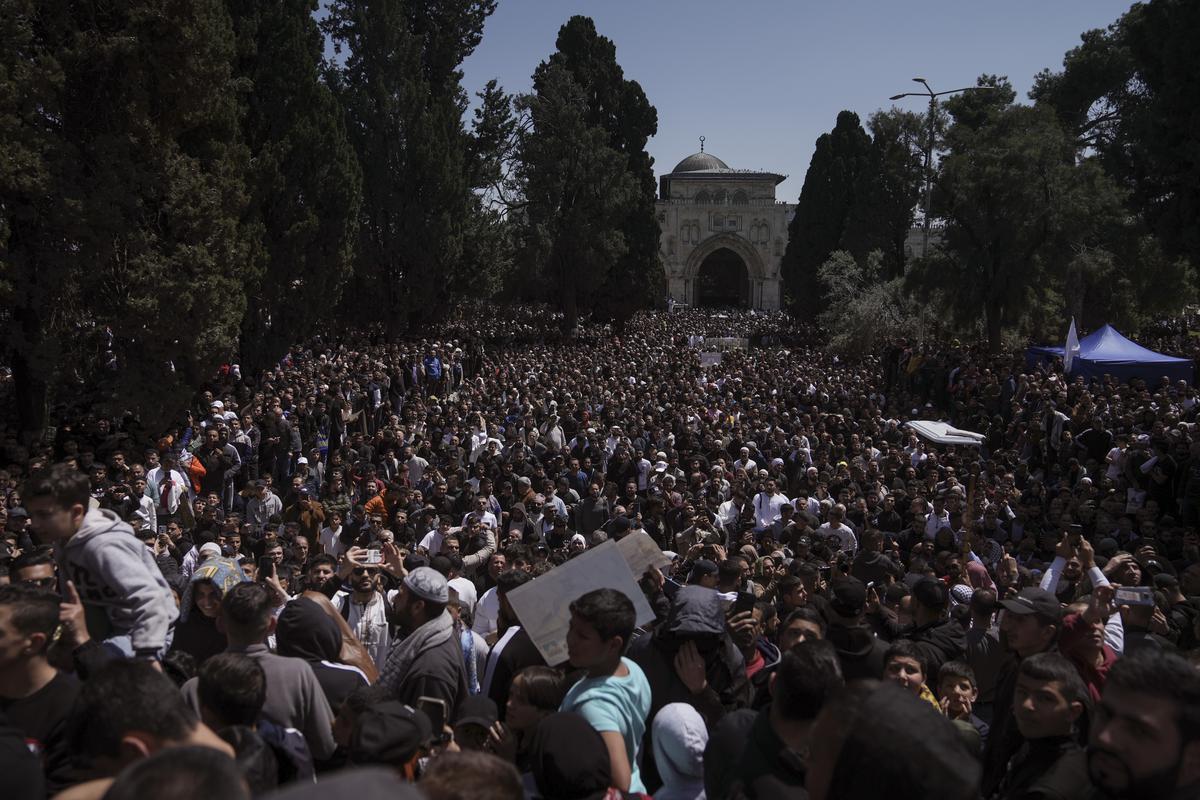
[(432, 542), (331, 542), (767, 509), (487, 519), (848, 542), (416, 468), (466, 591), (487, 610), (934, 523), (369, 623)]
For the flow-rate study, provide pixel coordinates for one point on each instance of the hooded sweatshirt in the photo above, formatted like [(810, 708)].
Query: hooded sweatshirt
[(697, 614), (123, 591), (679, 737), (305, 631)]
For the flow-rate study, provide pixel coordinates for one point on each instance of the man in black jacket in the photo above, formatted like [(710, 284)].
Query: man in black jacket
[(938, 637), (694, 629), (1051, 765), (1029, 626), (859, 650)]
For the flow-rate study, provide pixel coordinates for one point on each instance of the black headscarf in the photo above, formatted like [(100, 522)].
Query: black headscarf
[(569, 759)]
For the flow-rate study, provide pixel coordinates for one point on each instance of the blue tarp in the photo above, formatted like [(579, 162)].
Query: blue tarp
[(1107, 352)]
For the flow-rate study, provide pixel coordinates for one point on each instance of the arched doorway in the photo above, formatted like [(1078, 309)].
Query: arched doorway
[(722, 280)]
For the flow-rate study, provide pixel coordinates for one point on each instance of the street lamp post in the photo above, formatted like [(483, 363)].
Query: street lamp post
[(933, 96)]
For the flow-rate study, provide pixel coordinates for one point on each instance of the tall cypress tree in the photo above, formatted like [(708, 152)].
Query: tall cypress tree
[(304, 181), (618, 106), (401, 87), (825, 203), (141, 147)]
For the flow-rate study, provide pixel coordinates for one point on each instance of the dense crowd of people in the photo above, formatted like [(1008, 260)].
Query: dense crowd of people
[(303, 585)]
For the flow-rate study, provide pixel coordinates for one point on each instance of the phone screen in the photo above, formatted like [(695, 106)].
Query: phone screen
[(745, 602), (435, 709), (266, 567)]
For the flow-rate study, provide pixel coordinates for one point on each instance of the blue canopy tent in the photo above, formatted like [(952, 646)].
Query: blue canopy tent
[(1107, 352)]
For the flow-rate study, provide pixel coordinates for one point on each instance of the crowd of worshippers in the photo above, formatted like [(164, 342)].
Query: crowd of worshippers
[(303, 585)]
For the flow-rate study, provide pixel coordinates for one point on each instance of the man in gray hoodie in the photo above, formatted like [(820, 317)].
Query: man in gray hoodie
[(127, 601)]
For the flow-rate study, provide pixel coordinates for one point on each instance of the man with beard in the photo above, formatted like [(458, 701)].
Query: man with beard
[(1145, 740), (428, 661)]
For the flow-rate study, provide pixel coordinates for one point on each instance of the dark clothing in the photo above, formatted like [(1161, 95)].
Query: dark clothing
[(42, 719), (198, 637), (305, 631), (516, 653), (697, 615), (1003, 739), (872, 568), (859, 650), (746, 758), (1047, 769), (939, 642), (23, 779)]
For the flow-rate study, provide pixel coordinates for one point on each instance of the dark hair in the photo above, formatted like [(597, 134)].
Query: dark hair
[(805, 570), (233, 687), (731, 568), (906, 648), (1048, 667), (467, 774), (808, 614), (33, 610), (807, 675), (610, 612), (33, 558), (511, 579), (181, 773), (542, 687), (441, 565), (63, 483), (787, 584), (124, 696), (957, 670), (246, 609), (983, 602), (1166, 675), (322, 558)]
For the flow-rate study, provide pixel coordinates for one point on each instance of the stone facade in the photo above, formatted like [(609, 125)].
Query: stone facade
[(711, 213)]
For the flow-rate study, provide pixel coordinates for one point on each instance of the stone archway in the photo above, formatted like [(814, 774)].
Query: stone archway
[(733, 260), (722, 281)]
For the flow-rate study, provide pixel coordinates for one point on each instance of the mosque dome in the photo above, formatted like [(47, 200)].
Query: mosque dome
[(698, 162)]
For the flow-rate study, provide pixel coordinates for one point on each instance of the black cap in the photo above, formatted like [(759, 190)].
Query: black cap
[(414, 561), (931, 593), (1033, 600), (703, 568), (849, 596), (478, 710), (389, 733)]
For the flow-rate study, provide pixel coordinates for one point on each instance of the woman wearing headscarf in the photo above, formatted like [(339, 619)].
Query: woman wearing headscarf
[(196, 633), (679, 737)]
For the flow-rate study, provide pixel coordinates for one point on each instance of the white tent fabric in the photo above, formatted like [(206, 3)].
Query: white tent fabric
[(944, 433)]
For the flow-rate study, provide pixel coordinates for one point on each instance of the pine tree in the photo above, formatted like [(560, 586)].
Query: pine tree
[(304, 181), (826, 200)]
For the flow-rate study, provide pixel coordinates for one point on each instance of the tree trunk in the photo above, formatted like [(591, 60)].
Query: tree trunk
[(30, 389), (992, 314)]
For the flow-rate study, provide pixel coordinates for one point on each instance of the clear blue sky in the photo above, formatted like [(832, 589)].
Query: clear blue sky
[(762, 80)]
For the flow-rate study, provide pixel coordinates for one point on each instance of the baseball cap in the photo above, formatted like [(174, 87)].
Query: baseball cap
[(702, 568), (931, 593), (389, 733), (301, 460), (477, 710), (849, 596), (428, 584), (1033, 600)]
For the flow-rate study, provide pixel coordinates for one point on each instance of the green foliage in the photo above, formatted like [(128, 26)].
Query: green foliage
[(589, 240), (131, 130), (401, 89), (304, 180), (866, 308), (1017, 210), (826, 200), (1128, 94), (888, 189), (619, 108), (577, 192)]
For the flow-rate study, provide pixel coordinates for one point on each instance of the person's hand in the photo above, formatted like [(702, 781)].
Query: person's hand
[(1101, 606), (872, 605), (1115, 563), (393, 559), (1158, 622), (720, 553), (502, 741), (1086, 553), (693, 552), (71, 617), (689, 666), (353, 557), (272, 581), (1064, 549)]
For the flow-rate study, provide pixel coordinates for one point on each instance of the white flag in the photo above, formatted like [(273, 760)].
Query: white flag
[(1072, 348)]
